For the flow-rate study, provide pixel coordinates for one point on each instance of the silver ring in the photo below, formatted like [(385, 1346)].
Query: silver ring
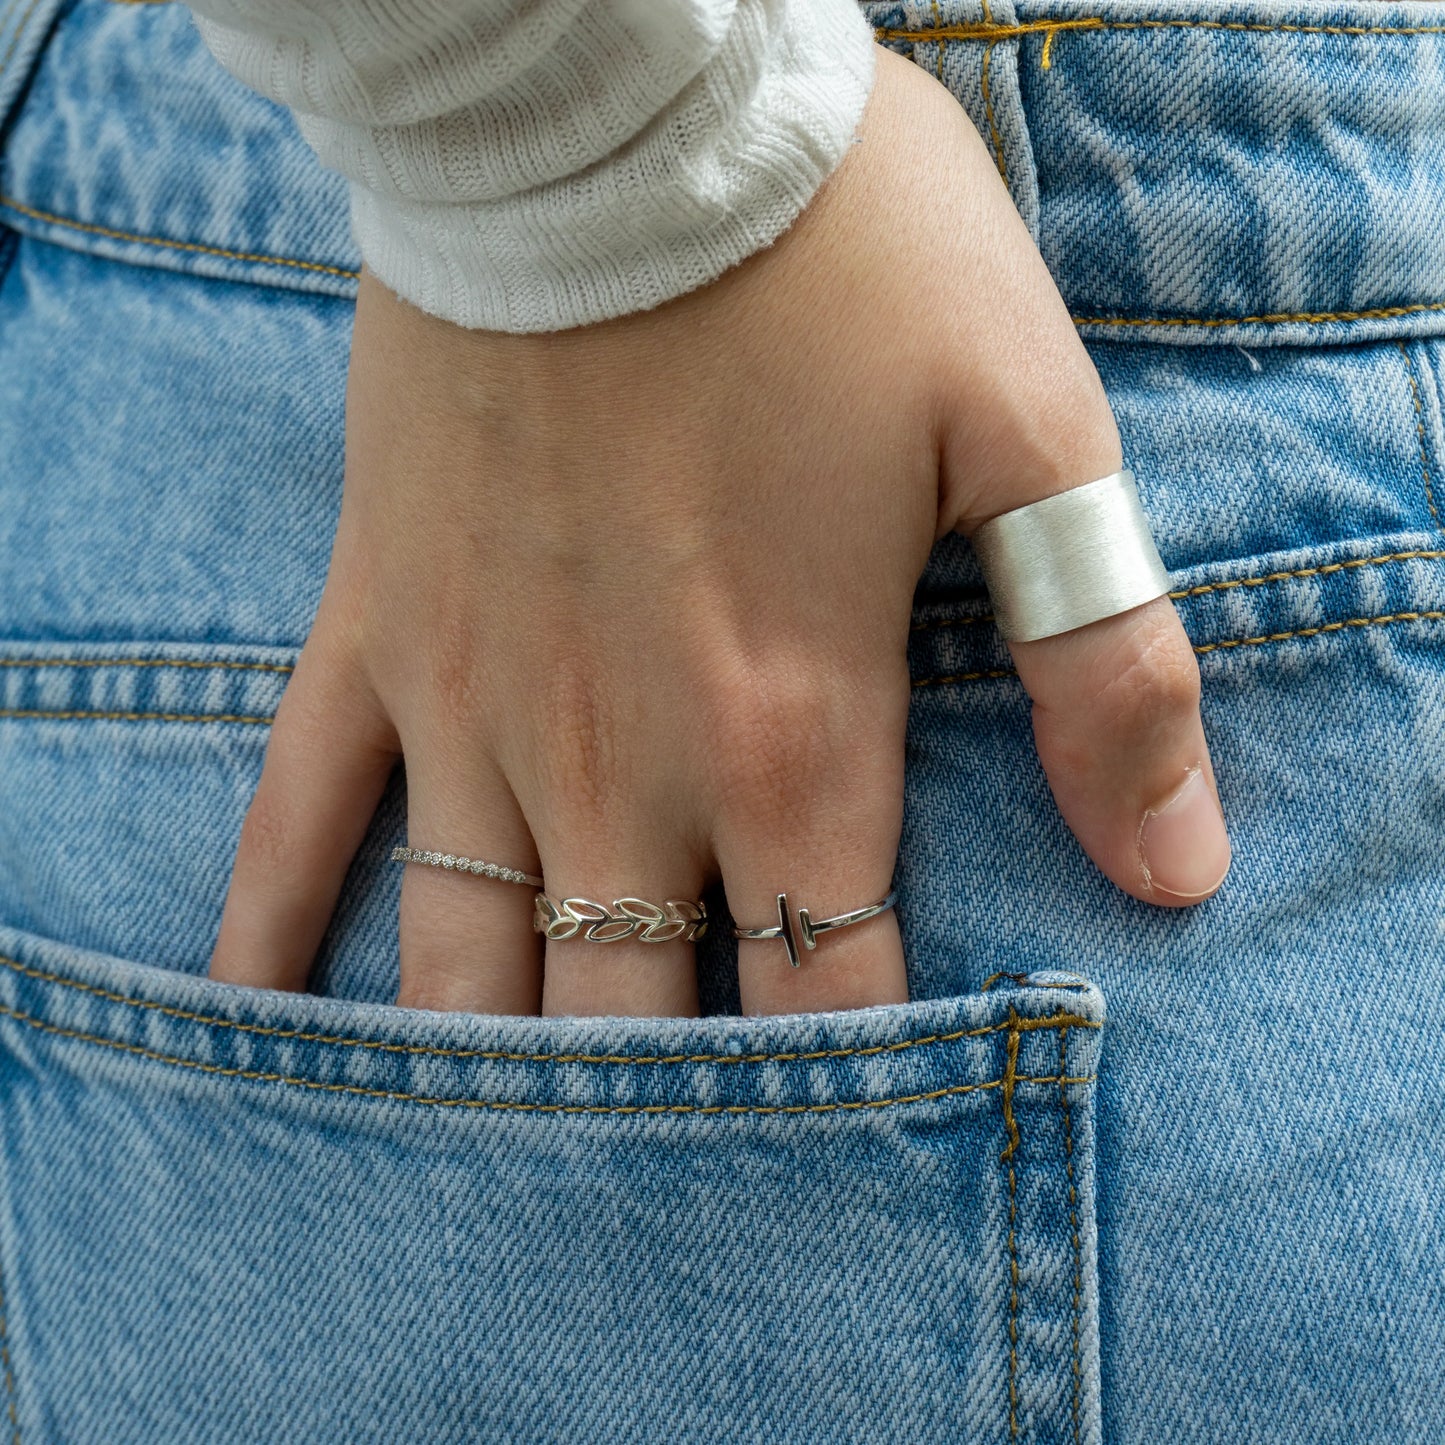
[(678, 919), (499, 871), (1069, 560), (808, 928)]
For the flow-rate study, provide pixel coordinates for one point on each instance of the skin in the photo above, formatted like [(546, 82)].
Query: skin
[(632, 601)]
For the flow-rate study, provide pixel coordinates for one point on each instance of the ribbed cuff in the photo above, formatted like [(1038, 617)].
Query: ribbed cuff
[(723, 174)]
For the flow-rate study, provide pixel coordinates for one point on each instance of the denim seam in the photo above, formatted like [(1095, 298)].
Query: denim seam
[(998, 150), (1420, 432), (1060, 1020), (987, 30), (1205, 647), (11, 1412), (151, 661), (1274, 318), (1201, 648), (1324, 570), (183, 717), (993, 672), (514, 1106), (1259, 580), (1008, 1082), (1073, 1198), (49, 218)]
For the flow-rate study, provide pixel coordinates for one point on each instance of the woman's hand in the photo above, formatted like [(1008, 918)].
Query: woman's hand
[(633, 600)]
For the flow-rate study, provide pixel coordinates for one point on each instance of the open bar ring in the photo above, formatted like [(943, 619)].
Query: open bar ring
[(1070, 559), (676, 920), (401, 854), (808, 928)]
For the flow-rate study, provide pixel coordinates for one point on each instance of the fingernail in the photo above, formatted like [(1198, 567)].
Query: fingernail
[(1183, 847)]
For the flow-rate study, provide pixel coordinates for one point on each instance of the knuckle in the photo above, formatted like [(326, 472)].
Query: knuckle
[(580, 759), (777, 741), (452, 664), (328, 703), (1154, 677), (268, 836)]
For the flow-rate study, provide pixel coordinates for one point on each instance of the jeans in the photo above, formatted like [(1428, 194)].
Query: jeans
[(1116, 1173)]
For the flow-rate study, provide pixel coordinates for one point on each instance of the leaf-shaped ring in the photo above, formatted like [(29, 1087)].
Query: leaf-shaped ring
[(676, 919)]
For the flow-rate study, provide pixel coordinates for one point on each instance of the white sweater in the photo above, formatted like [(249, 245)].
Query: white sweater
[(529, 165)]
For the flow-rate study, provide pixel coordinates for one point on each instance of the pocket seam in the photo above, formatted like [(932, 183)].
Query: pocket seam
[(11, 1411), (1420, 432), (1059, 1020), (158, 661), (1073, 1196), (529, 1107), (49, 218)]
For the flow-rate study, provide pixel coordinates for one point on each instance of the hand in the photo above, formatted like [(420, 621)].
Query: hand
[(632, 601)]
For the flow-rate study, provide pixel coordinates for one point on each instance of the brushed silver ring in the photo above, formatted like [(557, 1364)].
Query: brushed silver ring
[(808, 928), (1070, 559)]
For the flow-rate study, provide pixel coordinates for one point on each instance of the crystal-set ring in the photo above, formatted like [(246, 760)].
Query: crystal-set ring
[(500, 871)]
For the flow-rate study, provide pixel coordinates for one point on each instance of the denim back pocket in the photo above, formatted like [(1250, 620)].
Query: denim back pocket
[(232, 1214)]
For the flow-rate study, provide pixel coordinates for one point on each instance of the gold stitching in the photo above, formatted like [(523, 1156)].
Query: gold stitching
[(994, 32), (1073, 1220), (15, 966), (964, 676), (189, 717), (1008, 1082), (142, 661), (11, 1411), (950, 622), (1322, 571), (192, 246), (504, 1105), (1273, 318), (1315, 631), (1420, 431), (988, 113)]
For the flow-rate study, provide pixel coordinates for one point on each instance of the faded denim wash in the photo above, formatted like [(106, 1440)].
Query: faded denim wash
[(987, 1215)]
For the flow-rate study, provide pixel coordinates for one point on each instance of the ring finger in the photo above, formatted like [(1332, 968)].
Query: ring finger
[(467, 941)]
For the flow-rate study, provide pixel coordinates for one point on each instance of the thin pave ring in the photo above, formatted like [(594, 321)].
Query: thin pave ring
[(402, 854)]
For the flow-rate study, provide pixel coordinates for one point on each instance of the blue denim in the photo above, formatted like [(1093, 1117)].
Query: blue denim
[(990, 1214)]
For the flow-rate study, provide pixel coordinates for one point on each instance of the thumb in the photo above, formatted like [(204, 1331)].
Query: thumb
[(1116, 702), (1116, 710), (1118, 731)]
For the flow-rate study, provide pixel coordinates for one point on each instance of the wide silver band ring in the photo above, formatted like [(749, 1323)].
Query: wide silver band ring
[(1070, 559), (455, 861), (808, 928), (676, 920)]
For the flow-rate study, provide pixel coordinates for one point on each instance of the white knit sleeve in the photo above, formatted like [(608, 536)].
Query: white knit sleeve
[(529, 165)]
